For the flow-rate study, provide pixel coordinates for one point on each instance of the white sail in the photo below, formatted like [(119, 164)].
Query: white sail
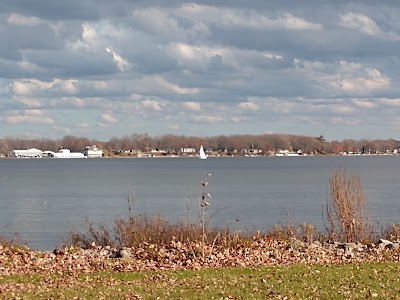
[(202, 153)]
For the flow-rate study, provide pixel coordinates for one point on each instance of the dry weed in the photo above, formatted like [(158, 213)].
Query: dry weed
[(345, 210)]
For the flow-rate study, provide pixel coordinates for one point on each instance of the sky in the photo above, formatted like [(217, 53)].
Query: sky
[(103, 69)]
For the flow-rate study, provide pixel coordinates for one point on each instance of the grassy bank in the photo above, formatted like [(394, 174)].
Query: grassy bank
[(349, 281)]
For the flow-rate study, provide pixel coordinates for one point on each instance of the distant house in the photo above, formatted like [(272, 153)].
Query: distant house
[(28, 153), (92, 152), (255, 151), (188, 150), (133, 152)]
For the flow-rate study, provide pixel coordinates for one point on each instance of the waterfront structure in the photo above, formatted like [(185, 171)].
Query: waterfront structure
[(287, 153), (188, 150), (92, 152), (27, 153), (64, 153)]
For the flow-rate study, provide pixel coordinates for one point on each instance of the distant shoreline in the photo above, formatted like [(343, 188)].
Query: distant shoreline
[(211, 156)]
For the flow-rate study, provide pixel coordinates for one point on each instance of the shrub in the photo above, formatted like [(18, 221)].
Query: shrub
[(140, 229), (345, 209)]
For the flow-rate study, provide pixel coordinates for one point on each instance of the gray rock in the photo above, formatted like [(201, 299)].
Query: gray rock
[(385, 244), (105, 252), (315, 244), (296, 244), (350, 247), (125, 253), (114, 253), (89, 252)]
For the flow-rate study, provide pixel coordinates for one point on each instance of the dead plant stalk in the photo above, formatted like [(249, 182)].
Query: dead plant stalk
[(345, 209)]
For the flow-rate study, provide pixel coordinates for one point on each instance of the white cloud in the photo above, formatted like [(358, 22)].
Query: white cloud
[(21, 20), (89, 37), (107, 118), (186, 52), (174, 127), (30, 117), (122, 64), (62, 130), (343, 109), (193, 106), (236, 119), (156, 20), (66, 131), (69, 102), (248, 106), (167, 24), (372, 79), (32, 87), (292, 22), (348, 67), (363, 103), (231, 18), (89, 33), (28, 87), (204, 56), (343, 121), (360, 22), (28, 101), (280, 105), (159, 83), (389, 102), (135, 97), (83, 125), (200, 57), (20, 88), (67, 86), (151, 105), (348, 77), (56, 27), (100, 85), (208, 119)]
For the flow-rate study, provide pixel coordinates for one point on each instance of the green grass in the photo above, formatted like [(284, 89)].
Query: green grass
[(351, 281)]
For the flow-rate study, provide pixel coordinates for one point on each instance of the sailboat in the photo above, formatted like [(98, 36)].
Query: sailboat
[(202, 153)]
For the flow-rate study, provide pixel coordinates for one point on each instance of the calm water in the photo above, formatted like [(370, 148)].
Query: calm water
[(43, 199)]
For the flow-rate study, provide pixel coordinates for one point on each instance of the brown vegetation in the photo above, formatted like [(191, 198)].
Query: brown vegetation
[(139, 229), (345, 210), (304, 232)]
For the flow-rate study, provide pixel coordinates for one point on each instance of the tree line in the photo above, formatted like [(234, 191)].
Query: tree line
[(227, 143)]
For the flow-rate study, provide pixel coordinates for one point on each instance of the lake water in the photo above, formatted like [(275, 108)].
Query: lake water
[(43, 199)]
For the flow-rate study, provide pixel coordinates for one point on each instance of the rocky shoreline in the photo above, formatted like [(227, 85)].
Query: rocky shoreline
[(260, 251)]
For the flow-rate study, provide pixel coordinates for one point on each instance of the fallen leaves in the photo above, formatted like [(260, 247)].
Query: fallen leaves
[(178, 255)]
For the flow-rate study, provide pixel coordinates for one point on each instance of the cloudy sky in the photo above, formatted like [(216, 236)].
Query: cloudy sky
[(100, 68)]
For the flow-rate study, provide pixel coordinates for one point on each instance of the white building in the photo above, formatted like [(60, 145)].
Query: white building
[(188, 150), (92, 152), (29, 153), (287, 153), (64, 153)]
